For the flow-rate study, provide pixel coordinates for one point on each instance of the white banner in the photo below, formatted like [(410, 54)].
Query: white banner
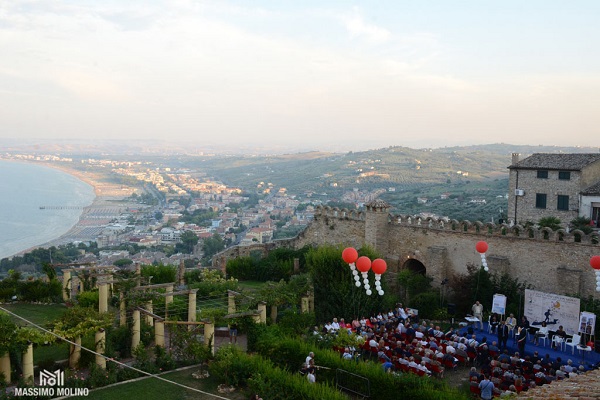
[(499, 304), (553, 309)]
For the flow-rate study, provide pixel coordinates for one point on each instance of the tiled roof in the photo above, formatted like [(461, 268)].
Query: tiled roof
[(568, 162), (592, 190)]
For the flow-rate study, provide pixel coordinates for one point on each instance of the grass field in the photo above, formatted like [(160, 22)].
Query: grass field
[(250, 285), (154, 389), (40, 314)]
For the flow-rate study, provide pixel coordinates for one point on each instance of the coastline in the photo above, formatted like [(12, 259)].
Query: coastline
[(108, 203)]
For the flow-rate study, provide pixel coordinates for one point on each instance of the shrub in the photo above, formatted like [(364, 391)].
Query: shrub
[(295, 323), (118, 340), (89, 299)]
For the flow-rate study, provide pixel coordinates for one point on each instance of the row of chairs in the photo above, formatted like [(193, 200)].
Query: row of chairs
[(559, 342)]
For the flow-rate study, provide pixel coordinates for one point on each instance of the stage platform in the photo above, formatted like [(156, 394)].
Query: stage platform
[(586, 358)]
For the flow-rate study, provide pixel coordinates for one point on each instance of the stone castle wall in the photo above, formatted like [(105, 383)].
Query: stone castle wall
[(549, 261)]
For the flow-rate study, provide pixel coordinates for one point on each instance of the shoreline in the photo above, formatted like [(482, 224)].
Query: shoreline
[(97, 214)]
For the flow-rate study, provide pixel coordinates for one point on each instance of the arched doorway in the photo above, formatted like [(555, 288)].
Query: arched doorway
[(415, 266)]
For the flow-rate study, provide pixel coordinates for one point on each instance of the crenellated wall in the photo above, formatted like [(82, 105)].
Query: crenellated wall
[(550, 261)]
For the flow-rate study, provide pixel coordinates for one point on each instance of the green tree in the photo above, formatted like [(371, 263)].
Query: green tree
[(123, 262), (189, 239), (212, 246), (335, 292)]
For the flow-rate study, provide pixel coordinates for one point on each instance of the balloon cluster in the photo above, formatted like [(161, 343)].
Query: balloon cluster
[(481, 248), (595, 263), (363, 265)]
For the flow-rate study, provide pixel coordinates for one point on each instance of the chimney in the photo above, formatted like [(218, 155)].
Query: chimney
[(515, 158)]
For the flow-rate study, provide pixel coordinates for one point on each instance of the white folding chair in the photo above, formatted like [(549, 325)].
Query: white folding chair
[(558, 341), (544, 338), (573, 342)]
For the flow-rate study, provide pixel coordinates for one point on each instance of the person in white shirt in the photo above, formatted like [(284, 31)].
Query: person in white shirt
[(450, 349), (309, 358), (478, 313), (542, 332), (311, 375), (335, 325)]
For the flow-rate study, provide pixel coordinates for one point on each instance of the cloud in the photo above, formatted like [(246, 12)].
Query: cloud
[(358, 27)]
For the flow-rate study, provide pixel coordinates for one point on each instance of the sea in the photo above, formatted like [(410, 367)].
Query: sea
[(37, 204)]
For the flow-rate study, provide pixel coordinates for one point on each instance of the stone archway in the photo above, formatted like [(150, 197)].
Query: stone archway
[(415, 266)]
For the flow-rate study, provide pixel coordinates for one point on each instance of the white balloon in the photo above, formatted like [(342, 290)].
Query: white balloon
[(357, 283), (381, 292), (352, 266), (367, 286), (377, 277), (369, 292), (355, 272), (486, 269)]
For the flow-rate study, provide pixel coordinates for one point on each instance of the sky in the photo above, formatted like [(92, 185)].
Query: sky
[(319, 74)]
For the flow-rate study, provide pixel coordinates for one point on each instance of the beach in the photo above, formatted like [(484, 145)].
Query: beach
[(109, 203)]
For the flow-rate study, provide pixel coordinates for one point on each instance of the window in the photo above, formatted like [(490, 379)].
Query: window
[(542, 174), (540, 200), (562, 202), (564, 175)]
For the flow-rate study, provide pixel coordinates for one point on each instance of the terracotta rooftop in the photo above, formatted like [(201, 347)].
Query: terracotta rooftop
[(581, 387), (568, 162)]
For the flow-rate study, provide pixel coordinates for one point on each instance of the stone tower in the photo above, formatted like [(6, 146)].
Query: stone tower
[(376, 225)]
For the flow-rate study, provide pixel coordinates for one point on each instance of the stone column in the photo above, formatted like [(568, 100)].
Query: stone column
[(159, 333), (169, 297), (181, 273), (274, 314), (262, 309), (100, 346), (231, 302), (256, 318), (75, 353), (66, 284), (192, 306), (304, 305), (296, 265), (209, 335), (103, 297), (138, 274), (149, 319), (311, 302), (28, 364), (135, 337), (122, 310), (5, 367)]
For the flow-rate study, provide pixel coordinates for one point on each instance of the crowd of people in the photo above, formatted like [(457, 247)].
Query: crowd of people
[(503, 373), (402, 343)]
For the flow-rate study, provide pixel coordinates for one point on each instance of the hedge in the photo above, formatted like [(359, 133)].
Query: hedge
[(289, 354), (259, 375)]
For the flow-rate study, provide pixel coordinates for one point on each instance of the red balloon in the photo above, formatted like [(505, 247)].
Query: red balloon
[(349, 255), (595, 262), (379, 266), (481, 247), (363, 264)]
